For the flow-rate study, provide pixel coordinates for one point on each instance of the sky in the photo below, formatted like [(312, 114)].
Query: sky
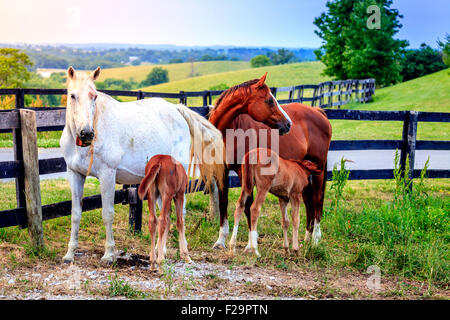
[(279, 23)]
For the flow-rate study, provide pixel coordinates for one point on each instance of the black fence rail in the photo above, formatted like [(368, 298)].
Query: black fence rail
[(53, 119)]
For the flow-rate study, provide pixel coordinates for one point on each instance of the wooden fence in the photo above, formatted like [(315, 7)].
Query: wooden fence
[(52, 119)]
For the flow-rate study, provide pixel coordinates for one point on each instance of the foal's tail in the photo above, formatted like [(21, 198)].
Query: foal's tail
[(148, 180), (207, 148)]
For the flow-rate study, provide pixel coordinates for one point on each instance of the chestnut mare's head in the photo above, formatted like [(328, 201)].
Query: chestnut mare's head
[(255, 99)]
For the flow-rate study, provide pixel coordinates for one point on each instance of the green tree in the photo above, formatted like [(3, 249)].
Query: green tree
[(358, 40), (156, 76), (420, 62), (260, 61), (445, 46), (13, 68), (282, 56)]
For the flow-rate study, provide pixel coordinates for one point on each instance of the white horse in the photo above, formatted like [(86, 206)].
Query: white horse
[(113, 141)]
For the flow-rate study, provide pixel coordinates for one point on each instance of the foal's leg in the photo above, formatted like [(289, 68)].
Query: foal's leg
[(295, 204), (152, 224), (255, 211), (184, 253), (163, 228), (76, 182), (240, 204), (284, 223), (107, 179)]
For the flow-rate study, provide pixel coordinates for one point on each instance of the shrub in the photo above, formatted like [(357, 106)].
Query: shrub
[(156, 76), (260, 61)]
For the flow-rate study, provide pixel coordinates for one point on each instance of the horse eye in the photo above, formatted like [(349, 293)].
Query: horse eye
[(270, 102), (72, 96)]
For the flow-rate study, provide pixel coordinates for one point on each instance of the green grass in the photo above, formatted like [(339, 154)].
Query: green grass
[(374, 224), (177, 71)]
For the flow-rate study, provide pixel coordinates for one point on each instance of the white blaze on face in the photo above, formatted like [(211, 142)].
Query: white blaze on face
[(281, 109)]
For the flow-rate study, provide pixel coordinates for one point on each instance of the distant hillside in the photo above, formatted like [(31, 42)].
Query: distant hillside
[(278, 76), (177, 71)]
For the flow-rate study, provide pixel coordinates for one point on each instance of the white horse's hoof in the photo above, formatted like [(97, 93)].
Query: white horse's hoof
[(108, 259), (219, 245), (67, 259)]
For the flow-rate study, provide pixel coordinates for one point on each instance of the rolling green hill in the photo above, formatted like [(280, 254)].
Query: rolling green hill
[(177, 71), (278, 76), (430, 93)]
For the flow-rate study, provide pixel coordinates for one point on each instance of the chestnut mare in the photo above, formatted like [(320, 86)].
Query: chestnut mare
[(305, 134), (285, 179), (166, 178)]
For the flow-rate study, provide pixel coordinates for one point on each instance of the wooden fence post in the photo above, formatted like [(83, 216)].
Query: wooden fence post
[(409, 142), (31, 179), (135, 216), (183, 98), (18, 155)]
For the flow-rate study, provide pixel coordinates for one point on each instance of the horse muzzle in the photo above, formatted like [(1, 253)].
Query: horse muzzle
[(85, 138), (284, 127)]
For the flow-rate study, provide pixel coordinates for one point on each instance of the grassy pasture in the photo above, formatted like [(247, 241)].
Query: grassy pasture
[(405, 238)]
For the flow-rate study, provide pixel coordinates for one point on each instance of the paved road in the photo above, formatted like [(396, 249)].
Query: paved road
[(368, 159)]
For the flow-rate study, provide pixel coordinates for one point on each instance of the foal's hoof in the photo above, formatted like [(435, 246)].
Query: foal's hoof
[(219, 245), (188, 260)]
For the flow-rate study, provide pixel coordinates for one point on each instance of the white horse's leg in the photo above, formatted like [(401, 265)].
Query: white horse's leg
[(107, 179), (76, 182)]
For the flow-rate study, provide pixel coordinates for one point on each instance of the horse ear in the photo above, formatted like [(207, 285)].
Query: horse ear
[(71, 73), (95, 74), (261, 81)]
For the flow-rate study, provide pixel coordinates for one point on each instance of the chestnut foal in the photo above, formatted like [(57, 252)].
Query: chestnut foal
[(165, 178), (286, 179)]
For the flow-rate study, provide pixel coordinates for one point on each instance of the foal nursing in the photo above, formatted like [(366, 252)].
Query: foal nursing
[(165, 178), (286, 179)]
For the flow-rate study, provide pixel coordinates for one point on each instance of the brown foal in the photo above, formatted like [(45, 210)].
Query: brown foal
[(286, 179), (166, 178)]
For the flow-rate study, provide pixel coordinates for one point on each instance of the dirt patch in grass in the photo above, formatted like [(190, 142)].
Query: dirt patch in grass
[(130, 278)]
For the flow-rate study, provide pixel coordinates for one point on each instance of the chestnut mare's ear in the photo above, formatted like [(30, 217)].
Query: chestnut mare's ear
[(71, 73), (261, 81), (95, 74)]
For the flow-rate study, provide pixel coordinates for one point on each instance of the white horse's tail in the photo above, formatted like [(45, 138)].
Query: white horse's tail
[(207, 147)]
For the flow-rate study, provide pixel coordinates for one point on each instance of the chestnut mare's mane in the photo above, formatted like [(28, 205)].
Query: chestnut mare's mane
[(218, 115)]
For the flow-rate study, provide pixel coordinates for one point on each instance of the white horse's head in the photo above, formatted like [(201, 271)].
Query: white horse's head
[(81, 96)]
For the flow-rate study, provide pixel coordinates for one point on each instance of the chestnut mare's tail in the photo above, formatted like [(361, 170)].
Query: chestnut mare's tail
[(148, 180)]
